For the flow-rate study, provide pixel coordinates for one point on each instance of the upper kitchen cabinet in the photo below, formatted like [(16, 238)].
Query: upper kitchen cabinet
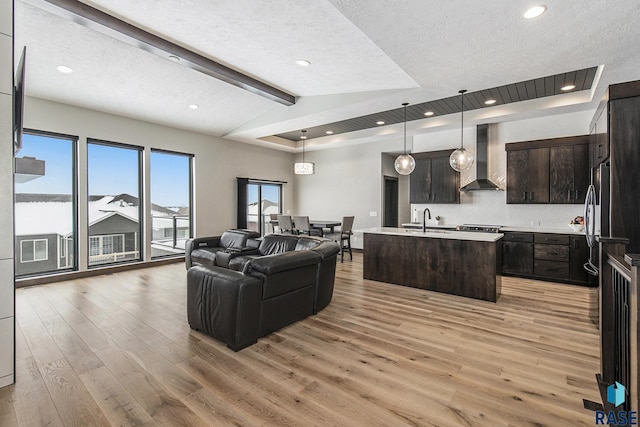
[(433, 180), (548, 171), (569, 170), (528, 175)]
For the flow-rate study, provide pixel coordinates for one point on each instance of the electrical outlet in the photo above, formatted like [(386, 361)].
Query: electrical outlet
[(373, 213)]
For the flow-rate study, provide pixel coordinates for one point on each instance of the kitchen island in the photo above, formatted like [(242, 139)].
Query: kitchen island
[(454, 262)]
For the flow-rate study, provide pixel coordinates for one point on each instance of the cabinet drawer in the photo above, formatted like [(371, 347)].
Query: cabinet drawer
[(554, 269), (518, 237), (551, 252), (553, 239)]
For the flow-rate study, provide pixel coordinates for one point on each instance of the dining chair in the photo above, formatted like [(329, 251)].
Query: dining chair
[(285, 225), (273, 220), (343, 237), (302, 226)]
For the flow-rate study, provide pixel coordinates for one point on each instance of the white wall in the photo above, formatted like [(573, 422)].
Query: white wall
[(348, 179), (7, 322), (217, 161)]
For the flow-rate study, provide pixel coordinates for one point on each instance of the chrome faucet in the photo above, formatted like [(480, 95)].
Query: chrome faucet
[(424, 221)]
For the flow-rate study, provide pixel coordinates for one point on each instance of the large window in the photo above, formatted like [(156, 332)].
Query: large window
[(45, 204), (170, 202), (114, 202)]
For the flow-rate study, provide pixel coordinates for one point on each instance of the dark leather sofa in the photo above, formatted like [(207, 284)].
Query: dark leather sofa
[(285, 279)]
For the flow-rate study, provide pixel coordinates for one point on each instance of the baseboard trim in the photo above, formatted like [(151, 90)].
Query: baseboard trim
[(61, 277)]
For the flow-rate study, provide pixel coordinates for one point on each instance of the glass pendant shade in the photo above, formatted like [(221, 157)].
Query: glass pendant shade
[(405, 164), (461, 160)]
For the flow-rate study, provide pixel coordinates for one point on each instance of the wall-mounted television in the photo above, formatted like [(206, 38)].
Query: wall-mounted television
[(18, 102)]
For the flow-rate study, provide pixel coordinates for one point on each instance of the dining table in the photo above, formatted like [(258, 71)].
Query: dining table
[(322, 225)]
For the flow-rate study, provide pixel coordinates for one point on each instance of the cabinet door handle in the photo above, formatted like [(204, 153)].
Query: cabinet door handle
[(575, 243), (524, 195), (577, 195), (434, 197), (530, 195)]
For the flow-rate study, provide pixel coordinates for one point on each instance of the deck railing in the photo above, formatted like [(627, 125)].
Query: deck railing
[(618, 323)]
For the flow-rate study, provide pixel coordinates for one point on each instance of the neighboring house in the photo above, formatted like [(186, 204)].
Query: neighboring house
[(44, 231)]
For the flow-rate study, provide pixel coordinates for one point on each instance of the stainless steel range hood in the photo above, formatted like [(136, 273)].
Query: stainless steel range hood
[(481, 182)]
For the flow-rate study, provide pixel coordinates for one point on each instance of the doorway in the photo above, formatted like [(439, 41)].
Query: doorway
[(390, 215)]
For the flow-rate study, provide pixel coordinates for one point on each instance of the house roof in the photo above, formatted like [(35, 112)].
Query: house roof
[(52, 213)]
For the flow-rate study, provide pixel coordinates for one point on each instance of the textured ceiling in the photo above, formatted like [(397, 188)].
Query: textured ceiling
[(366, 56)]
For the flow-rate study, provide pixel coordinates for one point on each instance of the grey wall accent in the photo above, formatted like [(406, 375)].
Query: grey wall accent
[(50, 264), (7, 322)]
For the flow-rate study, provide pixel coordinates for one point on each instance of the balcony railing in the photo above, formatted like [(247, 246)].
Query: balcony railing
[(114, 257)]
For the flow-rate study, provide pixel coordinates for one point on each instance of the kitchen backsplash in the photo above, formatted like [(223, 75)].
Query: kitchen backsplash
[(489, 207)]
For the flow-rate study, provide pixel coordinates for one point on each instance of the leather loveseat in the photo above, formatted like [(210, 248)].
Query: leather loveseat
[(285, 279)]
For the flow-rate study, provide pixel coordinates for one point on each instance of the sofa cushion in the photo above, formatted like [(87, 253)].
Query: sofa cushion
[(277, 244), (306, 243), (233, 239)]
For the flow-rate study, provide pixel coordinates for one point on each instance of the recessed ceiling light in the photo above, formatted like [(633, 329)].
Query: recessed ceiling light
[(380, 122), (535, 11), (303, 62), (429, 113), (64, 69), (490, 101), (568, 87), (329, 132), (174, 58), (194, 106)]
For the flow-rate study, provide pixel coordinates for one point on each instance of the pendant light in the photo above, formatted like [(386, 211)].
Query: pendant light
[(461, 159), (405, 163), (304, 168)]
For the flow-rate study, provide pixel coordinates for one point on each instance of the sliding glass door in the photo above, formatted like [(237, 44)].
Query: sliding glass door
[(263, 200)]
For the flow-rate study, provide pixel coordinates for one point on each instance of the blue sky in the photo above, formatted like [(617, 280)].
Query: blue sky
[(112, 170)]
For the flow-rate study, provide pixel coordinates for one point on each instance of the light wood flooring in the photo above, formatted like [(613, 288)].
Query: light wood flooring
[(117, 350)]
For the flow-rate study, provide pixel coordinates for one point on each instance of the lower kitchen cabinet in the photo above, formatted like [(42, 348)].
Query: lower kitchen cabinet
[(517, 253), (546, 256)]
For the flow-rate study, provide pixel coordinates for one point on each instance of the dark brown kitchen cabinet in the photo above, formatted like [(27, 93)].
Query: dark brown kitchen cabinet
[(569, 173), (517, 253), (433, 180), (546, 256), (528, 176), (552, 170)]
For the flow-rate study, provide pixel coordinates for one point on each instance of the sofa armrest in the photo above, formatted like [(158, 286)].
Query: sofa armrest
[(327, 249), (224, 304), (270, 264), (196, 243), (224, 257)]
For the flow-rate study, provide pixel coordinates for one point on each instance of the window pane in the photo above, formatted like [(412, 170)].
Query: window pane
[(44, 203), (170, 202), (26, 250), (40, 250), (114, 202)]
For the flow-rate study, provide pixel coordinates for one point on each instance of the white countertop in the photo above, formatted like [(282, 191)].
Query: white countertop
[(435, 234), (522, 229)]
